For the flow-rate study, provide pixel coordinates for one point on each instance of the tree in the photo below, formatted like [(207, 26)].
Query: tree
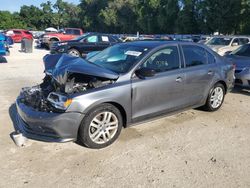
[(222, 16), (32, 16), (89, 15), (120, 16), (166, 19), (188, 17), (9, 20)]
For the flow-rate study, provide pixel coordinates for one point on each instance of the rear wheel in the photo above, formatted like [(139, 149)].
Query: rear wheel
[(215, 98), (74, 52), (101, 126)]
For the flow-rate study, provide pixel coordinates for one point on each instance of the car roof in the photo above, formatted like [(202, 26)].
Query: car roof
[(157, 43)]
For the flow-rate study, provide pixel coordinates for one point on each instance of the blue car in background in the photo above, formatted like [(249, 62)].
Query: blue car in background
[(4, 44)]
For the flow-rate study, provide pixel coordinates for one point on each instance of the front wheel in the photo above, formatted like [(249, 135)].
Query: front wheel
[(101, 126), (215, 98)]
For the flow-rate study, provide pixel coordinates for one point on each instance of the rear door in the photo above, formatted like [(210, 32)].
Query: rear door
[(200, 68), (163, 92)]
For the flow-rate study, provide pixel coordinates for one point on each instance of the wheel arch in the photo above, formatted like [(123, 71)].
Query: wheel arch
[(115, 104), (223, 83), (122, 111), (54, 38)]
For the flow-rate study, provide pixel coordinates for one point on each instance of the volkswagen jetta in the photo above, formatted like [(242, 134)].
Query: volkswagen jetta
[(91, 100)]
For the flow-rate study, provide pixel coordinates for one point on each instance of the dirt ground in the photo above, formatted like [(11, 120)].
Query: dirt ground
[(190, 149)]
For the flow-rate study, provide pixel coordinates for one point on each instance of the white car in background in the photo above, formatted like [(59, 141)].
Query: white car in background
[(225, 44)]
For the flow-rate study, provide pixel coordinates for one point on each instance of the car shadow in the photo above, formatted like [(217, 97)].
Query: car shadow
[(241, 90), (13, 117)]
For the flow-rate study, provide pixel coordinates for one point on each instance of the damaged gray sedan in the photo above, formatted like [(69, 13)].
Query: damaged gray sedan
[(91, 100)]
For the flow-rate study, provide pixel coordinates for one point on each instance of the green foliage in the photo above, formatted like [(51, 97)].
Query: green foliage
[(8, 20), (130, 16)]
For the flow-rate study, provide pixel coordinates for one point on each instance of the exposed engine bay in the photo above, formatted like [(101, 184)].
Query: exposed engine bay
[(49, 96), (65, 76)]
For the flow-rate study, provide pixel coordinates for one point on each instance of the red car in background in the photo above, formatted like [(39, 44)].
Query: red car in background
[(18, 34), (63, 35)]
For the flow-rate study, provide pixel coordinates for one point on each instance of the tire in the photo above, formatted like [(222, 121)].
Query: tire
[(94, 130), (215, 98), (74, 52)]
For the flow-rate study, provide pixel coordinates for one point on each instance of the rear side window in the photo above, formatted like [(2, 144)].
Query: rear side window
[(104, 38), (194, 55)]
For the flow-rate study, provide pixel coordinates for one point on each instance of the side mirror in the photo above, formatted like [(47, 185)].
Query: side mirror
[(235, 44), (145, 72)]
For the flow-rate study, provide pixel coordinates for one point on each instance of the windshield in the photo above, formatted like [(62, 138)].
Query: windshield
[(81, 37), (219, 41), (242, 51), (119, 58)]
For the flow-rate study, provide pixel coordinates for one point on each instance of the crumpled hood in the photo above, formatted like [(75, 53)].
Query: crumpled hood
[(61, 65), (240, 61)]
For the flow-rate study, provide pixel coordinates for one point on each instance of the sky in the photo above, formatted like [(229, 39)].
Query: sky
[(14, 5)]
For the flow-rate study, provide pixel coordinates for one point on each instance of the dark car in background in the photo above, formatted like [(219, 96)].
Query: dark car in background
[(126, 83), (241, 58), (84, 44)]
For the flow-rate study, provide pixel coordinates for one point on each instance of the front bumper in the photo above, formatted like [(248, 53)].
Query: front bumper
[(45, 126), (242, 78), (58, 49)]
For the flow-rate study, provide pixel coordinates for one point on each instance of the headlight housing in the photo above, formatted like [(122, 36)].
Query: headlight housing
[(62, 44), (59, 101)]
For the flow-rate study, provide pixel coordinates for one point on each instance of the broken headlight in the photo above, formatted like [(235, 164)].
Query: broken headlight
[(59, 101)]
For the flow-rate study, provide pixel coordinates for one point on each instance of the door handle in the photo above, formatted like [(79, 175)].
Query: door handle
[(210, 72), (179, 79)]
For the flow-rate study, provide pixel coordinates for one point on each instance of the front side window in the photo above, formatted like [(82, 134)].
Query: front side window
[(236, 41), (194, 55), (164, 60), (76, 32), (92, 39)]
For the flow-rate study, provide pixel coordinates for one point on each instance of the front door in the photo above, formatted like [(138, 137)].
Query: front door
[(163, 92)]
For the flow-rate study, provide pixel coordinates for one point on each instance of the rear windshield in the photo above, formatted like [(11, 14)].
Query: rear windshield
[(219, 41)]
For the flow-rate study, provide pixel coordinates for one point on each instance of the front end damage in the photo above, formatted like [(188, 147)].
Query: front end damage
[(42, 109)]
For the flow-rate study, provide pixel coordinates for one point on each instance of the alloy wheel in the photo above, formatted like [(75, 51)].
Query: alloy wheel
[(103, 127), (216, 97)]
